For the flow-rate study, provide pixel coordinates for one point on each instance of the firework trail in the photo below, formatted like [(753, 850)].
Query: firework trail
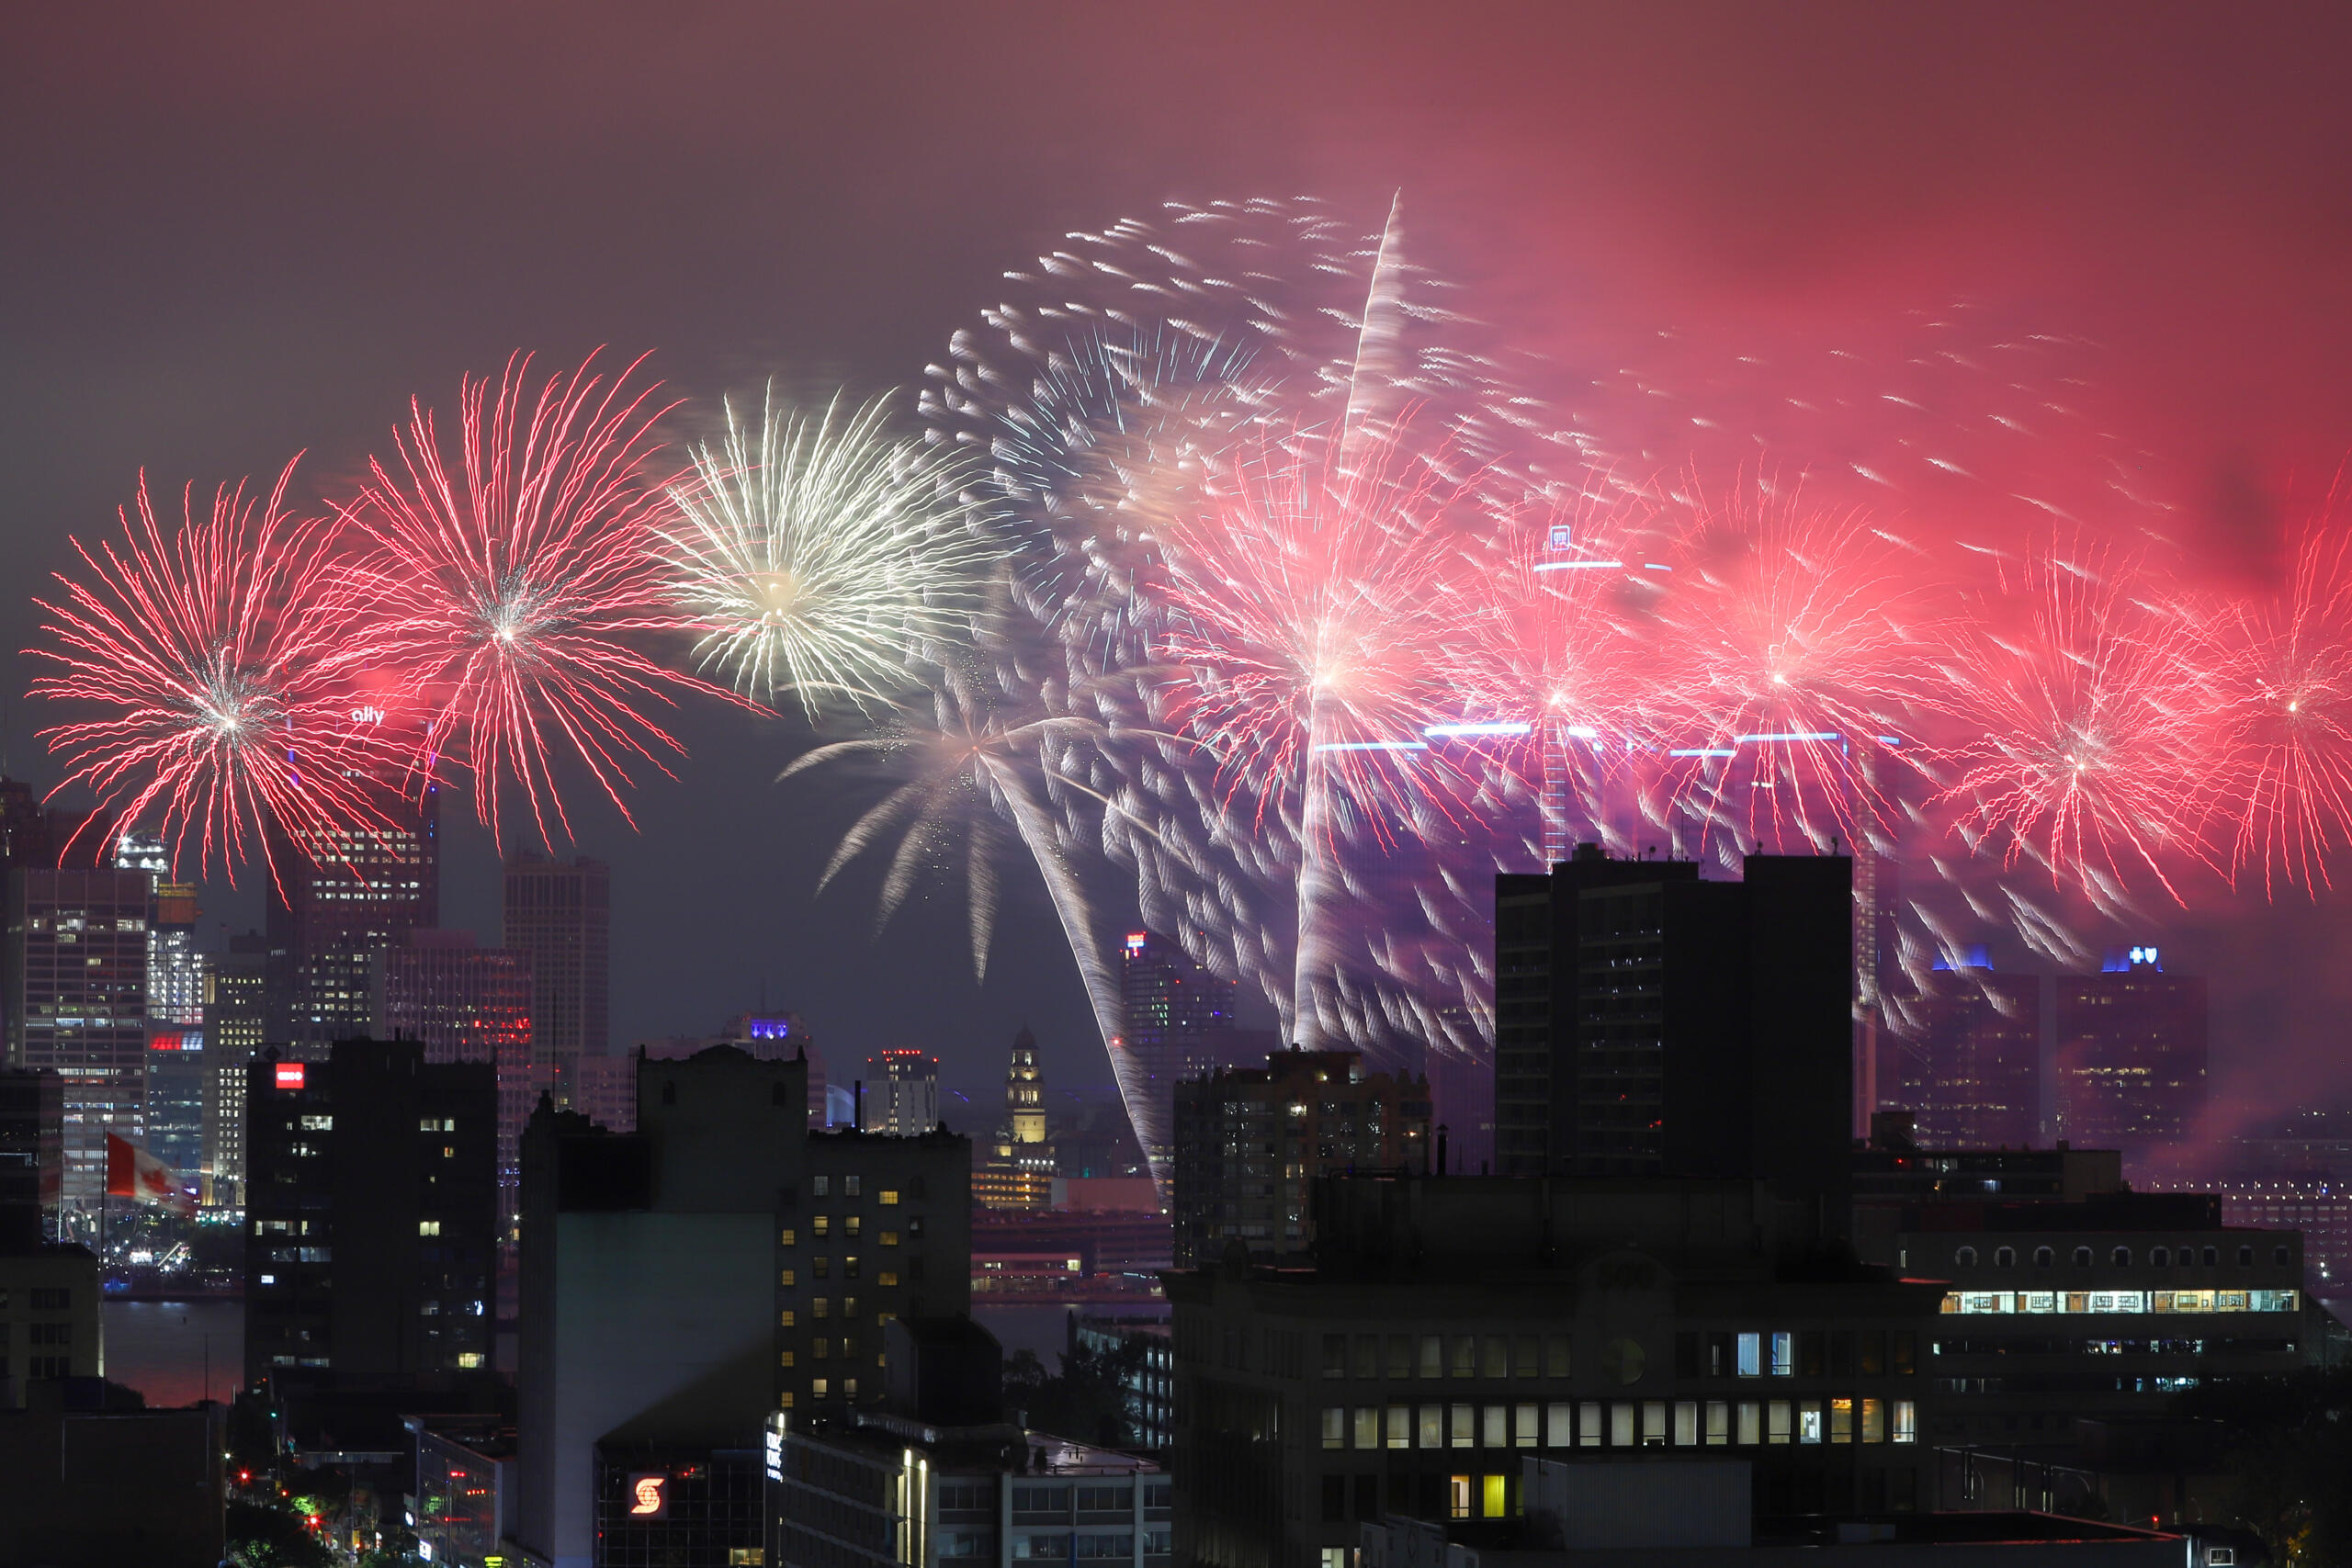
[(812, 552), (2080, 738), (1005, 759), (509, 575), (219, 658)]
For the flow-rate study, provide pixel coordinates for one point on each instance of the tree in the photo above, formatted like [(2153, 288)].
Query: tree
[(2288, 1441), (1086, 1400)]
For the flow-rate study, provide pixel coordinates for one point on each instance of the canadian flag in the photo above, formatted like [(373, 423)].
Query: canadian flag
[(132, 1172)]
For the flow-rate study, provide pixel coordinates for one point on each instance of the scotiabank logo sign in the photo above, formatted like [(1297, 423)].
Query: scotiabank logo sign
[(649, 1497)]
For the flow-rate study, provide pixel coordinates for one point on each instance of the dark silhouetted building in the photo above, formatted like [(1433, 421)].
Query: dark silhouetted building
[(2131, 1055), (559, 917), (48, 1316), (462, 1003), (32, 1153), (1179, 1024), (336, 898), (88, 1478), (1251, 1142), (1971, 1073), (1650, 1023), (2057, 1314), (1452, 1327), (661, 1275), (901, 1093), (76, 980), (371, 1218)]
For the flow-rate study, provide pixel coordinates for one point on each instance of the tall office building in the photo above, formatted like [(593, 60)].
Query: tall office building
[(77, 981), (1972, 1070), (32, 1147), (370, 1218), (179, 1063), (235, 1020), (463, 1003), (560, 917), (1179, 1025), (901, 1094), (721, 1262), (1251, 1142), (2131, 1057), (336, 898), (1652, 1023)]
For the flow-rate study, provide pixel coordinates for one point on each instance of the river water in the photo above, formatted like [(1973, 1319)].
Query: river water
[(171, 1351)]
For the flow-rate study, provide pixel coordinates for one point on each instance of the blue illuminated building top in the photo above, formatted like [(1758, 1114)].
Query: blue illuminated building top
[(771, 1028)]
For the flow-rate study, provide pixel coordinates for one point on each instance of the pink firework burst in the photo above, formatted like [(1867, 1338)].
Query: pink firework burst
[(1788, 641), (2086, 727), (218, 657), (2281, 790), (511, 574)]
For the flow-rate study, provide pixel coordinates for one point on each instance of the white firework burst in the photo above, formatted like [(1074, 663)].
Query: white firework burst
[(811, 551)]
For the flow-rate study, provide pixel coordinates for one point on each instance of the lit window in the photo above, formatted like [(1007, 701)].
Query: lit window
[(1808, 1420), (788, 1239), (886, 1277), (888, 1198), (850, 1225), (784, 1358), (849, 1306), (1784, 1355), (784, 1400), (848, 1186), (823, 1307), (821, 1349), (786, 1279), (787, 1318), (816, 1388), (1841, 1420), (888, 1238), (821, 1186), (428, 1227), (821, 1225), (470, 1360), (1906, 1421), (1750, 1361)]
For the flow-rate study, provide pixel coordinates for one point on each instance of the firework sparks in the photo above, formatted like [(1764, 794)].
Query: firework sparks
[(812, 552), (511, 577), (2084, 729), (2283, 788), (219, 658)]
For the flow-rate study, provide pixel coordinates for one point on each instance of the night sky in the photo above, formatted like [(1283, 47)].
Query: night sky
[(231, 233)]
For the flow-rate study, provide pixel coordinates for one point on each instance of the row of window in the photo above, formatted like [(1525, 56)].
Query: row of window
[(2121, 1300), (2158, 1257), (822, 1268), (1622, 1424), (853, 1186), (820, 1226), (1402, 1356)]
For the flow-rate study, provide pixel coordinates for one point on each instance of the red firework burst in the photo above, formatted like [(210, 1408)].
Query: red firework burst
[(1787, 647), (219, 657), (2086, 727), (1304, 607), (2282, 786), (510, 573)]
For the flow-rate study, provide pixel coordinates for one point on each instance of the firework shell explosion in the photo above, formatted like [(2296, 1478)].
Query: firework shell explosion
[(811, 554), (513, 572), (215, 655)]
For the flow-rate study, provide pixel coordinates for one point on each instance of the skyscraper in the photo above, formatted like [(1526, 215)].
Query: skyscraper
[(1971, 1078), (2130, 1054), (1179, 1025), (235, 1020), (176, 1058), (371, 1217), (77, 981), (462, 1003), (336, 899), (1651, 1022), (901, 1095), (560, 917)]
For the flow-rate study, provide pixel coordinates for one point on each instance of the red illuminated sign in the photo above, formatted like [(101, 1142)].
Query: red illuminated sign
[(290, 1075), (649, 1497)]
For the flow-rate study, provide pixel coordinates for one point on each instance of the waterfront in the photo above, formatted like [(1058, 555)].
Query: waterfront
[(169, 1352)]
